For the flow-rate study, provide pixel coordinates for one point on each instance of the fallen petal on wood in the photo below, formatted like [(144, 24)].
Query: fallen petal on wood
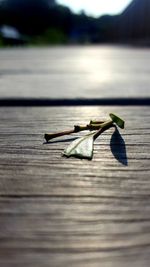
[(81, 147)]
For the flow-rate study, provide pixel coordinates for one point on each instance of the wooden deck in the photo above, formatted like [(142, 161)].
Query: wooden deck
[(64, 212), (75, 72), (59, 212)]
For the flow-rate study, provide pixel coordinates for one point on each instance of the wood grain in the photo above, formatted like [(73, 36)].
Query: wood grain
[(69, 212), (70, 72)]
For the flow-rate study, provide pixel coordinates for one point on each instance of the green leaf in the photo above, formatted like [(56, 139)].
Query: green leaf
[(117, 120), (81, 147)]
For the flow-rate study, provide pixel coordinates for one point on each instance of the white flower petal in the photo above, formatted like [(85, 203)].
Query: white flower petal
[(81, 147)]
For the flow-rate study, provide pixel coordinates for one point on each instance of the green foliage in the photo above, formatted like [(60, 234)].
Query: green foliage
[(117, 120), (51, 36), (1, 42)]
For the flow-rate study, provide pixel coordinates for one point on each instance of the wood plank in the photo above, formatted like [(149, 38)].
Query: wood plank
[(56, 211), (75, 72)]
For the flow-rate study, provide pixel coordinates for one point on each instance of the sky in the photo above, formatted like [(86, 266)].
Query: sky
[(96, 7)]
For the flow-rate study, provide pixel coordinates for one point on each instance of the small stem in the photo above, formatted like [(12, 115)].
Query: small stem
[(77, 128), (96, 122), (50, 136), (105, 126)]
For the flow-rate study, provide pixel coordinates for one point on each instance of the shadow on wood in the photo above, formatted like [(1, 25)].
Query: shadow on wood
[(56, 140), (118, 147)]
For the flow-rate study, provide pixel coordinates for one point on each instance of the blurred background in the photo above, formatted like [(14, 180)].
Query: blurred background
[(45, 22), (74, 49)]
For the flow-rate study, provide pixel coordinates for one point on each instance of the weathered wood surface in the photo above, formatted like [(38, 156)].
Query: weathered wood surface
[(69, 212), (75, 72)]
